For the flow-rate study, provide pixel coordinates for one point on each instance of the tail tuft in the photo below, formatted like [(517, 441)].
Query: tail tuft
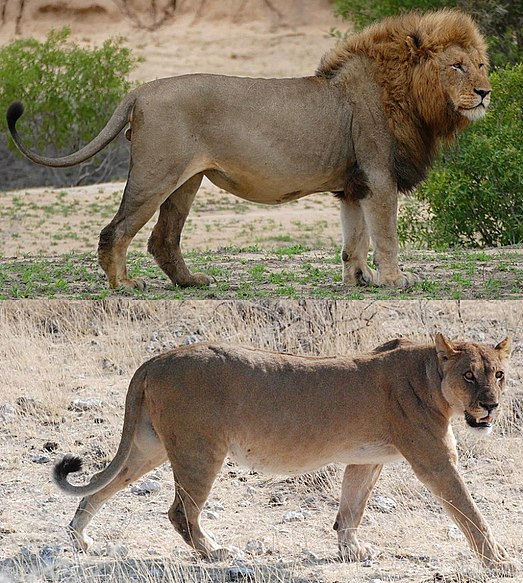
[(69, 464), (14, 112)]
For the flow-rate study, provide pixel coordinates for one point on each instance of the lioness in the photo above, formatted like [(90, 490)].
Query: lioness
[(287, 414), (366, 126)]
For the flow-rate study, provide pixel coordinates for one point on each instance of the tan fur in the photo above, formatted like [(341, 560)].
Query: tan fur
[(368, 124), (286, 415)]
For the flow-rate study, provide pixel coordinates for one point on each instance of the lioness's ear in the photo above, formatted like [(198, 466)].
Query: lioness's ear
[(444, 347), (504, 348)]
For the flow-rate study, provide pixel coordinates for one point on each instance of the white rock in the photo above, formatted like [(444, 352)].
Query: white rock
[(146, 487), (210, 515), (293, 517), (255, 547), (85, 404), (383, 503), (7, 412)]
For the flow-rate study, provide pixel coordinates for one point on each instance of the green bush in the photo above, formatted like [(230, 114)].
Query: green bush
[(69, 92), (473, 196)]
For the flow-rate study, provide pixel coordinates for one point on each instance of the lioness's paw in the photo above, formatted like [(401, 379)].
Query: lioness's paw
[(353, 552), (80, 540), (225, 554), (503, 567)]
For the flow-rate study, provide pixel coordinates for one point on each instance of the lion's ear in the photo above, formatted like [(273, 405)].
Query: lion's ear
[(416, 48), (504, 348), (444, 347)]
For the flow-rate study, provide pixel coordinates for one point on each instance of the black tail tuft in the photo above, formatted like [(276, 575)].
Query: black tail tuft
[(70, 463), (14, 112)]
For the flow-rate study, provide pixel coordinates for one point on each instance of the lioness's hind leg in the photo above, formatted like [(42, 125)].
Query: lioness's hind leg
[(357, 485), (146, 454), (195, 468), (164, 243)]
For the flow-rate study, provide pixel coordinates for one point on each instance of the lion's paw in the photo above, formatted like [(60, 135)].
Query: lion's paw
[(399, 280), (195, 280), (359, 275)]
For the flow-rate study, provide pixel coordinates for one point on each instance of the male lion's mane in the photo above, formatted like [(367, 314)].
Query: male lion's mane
[(403, 50)]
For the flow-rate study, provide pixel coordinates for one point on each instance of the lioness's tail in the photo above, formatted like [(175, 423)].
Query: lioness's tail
[(113, 127), (71, 463)]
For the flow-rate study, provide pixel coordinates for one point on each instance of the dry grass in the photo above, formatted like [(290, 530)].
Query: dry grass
[(55, 352)]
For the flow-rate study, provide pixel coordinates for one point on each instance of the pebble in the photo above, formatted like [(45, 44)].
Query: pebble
[(210, 515), (40, 458), (255, 547), (236, 573), (309, 557), (190, 340), (85, 404), (383, 503), (293, 517), (7, 412), (146, 487)]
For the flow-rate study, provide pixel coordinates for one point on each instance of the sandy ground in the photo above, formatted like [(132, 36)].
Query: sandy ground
[(65, 370)]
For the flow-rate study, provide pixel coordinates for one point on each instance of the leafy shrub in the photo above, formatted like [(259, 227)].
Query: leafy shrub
[(473, 196), (69, 93)]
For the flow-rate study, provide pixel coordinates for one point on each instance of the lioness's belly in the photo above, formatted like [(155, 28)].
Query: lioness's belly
[(291, 460)]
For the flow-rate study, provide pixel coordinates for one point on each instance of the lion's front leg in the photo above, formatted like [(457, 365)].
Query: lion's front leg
[(356, 488), (355, 246), (380, 209), (444, 481)]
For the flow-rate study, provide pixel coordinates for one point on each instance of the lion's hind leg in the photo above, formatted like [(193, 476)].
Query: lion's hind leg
[(147, 452), (164, 243), (357, 485)]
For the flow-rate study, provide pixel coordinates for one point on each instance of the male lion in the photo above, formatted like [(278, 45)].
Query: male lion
[(288, 414), (367, 125)]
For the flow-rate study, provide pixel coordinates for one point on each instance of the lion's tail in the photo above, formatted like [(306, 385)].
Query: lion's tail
[(113, 127), (70, 463)]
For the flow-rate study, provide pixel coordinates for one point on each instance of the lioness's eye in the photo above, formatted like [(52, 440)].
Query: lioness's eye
[(469, 375), (500, 374)]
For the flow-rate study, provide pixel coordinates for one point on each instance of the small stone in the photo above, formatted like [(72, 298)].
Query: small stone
[(383, 503), (7, 412), (115, 550), (85, 404), (237, 573), (210, 515), (309, 557), (190, 340), (366, 563), (214, 506), (244, 503), (293, 517), (255, 547), (40, 458), (146, 487)]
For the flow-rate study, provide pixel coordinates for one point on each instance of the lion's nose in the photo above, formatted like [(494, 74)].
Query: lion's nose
[(482, 92), (489, 407)]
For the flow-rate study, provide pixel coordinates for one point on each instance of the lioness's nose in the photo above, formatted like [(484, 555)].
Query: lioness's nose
[(482, 92), (489, 406)]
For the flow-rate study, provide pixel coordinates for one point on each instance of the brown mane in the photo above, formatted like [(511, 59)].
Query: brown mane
[(403, 49)]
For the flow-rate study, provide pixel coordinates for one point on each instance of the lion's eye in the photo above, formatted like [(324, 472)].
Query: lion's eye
[(500, 374), (469, 375), (458, 67)]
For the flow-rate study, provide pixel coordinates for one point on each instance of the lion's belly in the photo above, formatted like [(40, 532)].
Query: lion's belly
[(298, 460)]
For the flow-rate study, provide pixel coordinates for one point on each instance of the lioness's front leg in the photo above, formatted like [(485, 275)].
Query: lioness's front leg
[(443, 480), (356, 488)]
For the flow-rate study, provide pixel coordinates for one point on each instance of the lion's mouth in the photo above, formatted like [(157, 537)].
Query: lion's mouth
[(483, 422)]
